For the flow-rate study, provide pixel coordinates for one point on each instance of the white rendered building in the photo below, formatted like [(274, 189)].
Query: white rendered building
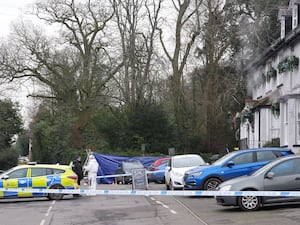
[(273, 113)]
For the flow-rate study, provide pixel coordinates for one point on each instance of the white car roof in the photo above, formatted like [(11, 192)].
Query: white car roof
[(186, 155)]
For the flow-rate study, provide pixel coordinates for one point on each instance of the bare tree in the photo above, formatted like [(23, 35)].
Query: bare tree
[(219, 86), (75, 67), (137, 22), (187, 28)]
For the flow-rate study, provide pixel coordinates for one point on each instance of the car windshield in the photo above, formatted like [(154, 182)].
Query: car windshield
[(6, 172), (264, 168), (223, 159), (187, 162)]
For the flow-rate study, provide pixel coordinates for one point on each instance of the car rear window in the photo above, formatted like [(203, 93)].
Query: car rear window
[(132, 165), (290, 152), (36, 172), (265, 156), (161, 162)]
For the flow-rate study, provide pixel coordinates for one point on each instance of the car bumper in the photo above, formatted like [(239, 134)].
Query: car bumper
[(192, 185), (177, 183), (226, 200)]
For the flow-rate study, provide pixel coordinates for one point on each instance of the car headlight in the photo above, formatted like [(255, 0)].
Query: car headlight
[(225, 188), (177, 174), (197, 174)]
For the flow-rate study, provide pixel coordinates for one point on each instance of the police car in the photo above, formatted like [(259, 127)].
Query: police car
[(41, 176)]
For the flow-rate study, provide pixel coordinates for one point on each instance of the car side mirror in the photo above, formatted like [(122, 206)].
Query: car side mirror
[(168, 168), (5, 177), (270, 175), (230, 164)]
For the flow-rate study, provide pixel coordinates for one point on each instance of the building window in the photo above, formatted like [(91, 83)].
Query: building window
[(286, 123), (295, 16), (298, 15), (288, 24), (298, 121), (275, 126)]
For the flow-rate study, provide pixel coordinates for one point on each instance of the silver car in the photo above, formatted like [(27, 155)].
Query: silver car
[(282, 174)]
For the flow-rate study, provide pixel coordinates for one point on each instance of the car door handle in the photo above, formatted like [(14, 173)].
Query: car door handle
[(297, 178)]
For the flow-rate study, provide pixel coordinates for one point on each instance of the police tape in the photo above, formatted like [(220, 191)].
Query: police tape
[(154, 192), (127, 174), (115, 175)]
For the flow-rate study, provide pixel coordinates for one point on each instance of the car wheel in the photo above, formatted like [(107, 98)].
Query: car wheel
[(171, 187), (249, 203), (56, 196), (167, 185), (211, 184)]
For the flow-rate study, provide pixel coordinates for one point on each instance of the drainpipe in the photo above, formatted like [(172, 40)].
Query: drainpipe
[(259, 128)]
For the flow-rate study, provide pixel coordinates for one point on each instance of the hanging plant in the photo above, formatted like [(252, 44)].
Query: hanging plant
[(282, 66), (293, 62), (272, 73), (275, 109), (245, 115), (288, 64)]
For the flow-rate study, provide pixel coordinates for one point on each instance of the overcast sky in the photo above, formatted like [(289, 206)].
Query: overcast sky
[(11, 10)]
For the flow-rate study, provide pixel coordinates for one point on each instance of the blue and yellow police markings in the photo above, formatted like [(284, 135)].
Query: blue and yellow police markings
[(54, 179), (14, 183), (10, 183), (23, 183), (1, 186), (40, 182)]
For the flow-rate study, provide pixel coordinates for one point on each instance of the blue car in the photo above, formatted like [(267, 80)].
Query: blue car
[(157, 170), (234, 164)]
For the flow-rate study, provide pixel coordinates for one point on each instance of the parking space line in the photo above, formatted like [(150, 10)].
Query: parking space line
[(191, 212), (173, 211), (165, 206), (48, 212)]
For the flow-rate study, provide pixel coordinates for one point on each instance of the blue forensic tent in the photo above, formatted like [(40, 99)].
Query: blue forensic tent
[(109, 163)]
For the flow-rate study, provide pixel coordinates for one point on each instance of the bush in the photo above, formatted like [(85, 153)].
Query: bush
[(273, 143), (8, 158)]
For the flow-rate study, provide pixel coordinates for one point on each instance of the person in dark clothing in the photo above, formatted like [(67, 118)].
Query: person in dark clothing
[(77, 168)]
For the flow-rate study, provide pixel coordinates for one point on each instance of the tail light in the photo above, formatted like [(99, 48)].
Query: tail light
[(73, 177)]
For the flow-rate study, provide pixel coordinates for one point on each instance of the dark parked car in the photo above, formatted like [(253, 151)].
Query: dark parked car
[(127, 167), (282, 174), (234, 164), (157, 170)]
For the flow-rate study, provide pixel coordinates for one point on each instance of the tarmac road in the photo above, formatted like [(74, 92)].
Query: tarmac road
[(138, 210)]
